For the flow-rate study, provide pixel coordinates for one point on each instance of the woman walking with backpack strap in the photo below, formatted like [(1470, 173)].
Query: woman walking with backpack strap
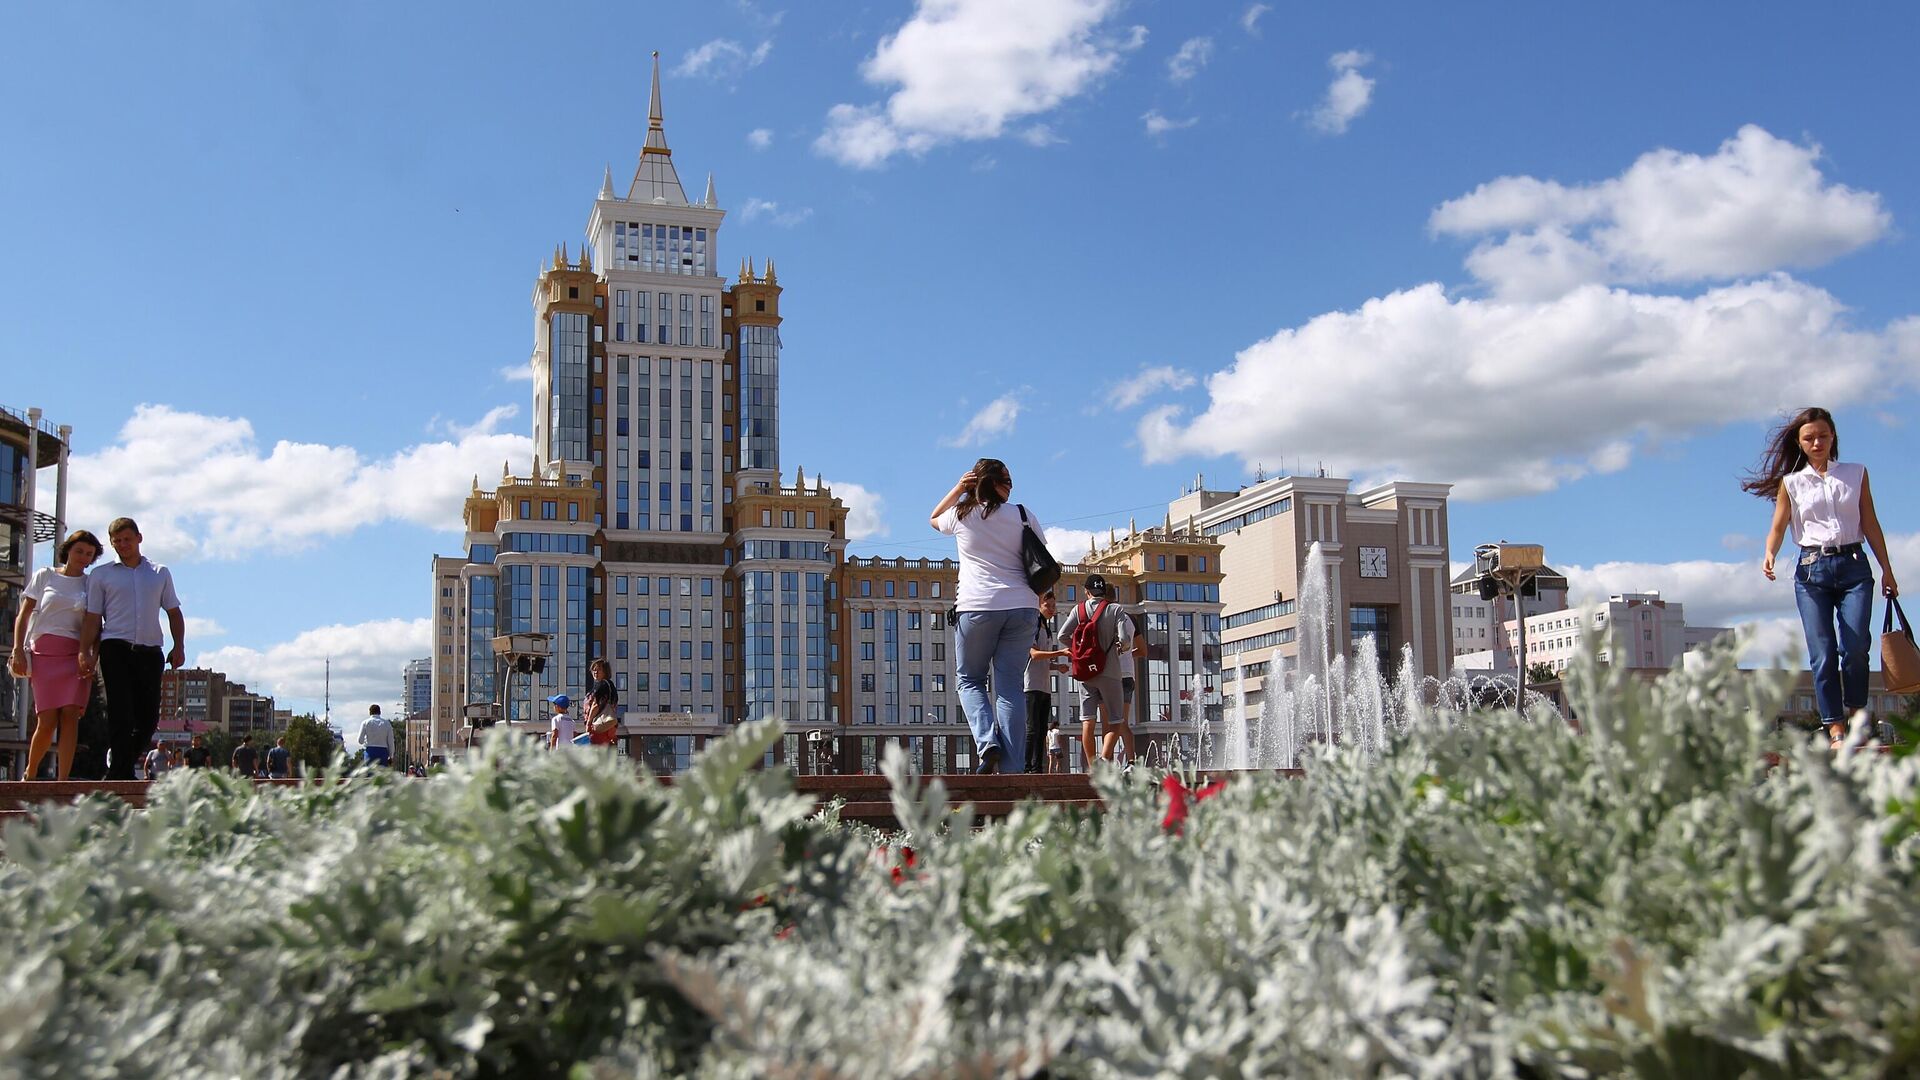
[(996, 610), (1830, 506)]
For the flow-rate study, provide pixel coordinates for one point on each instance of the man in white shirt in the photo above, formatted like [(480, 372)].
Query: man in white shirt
[(122, 637), (560, 729), (376, 737)]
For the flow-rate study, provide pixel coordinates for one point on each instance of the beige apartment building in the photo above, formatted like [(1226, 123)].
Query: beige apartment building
[(1386, 554)]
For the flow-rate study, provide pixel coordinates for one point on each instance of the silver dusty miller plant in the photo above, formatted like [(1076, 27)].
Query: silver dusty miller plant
[(1671, 890)]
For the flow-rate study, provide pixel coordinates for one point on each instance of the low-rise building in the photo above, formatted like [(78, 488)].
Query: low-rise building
[(1638, 630)]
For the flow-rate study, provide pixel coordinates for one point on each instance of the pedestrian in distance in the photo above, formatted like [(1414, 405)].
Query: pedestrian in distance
[(994, 610), (1056, 748), (376, 738), (560, 724), (603, 706), (1828, 504), (46, 650), (246, 760), (159, 761), (1045, 658), (122, 638), (279, 760), (197, 756), (1096, 655)]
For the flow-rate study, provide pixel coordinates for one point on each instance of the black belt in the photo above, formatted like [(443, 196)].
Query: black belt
[(1831, 549)]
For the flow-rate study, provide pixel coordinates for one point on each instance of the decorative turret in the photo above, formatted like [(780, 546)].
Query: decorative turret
[(711, 201), (772, 278), (606, 184)]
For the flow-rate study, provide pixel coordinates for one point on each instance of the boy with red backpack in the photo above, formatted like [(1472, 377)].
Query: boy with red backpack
[(1099, 635)]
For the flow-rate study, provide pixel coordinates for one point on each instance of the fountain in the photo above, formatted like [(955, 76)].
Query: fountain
[(1318, 700)]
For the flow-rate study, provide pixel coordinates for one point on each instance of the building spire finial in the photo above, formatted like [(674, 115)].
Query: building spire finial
[(772, 278), (656, 121), (712, 201), (606, 184)]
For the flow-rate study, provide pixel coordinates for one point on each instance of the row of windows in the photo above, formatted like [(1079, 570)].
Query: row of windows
[(561, 543), (914, 684), (1180, 591), (1272, 509), (1258, 641), (663, 249), (1262, 614), (936, 619), (641, 586), (785, 549)]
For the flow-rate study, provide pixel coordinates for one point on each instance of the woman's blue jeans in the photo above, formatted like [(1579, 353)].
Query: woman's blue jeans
[(1835, 597), (991, 649)]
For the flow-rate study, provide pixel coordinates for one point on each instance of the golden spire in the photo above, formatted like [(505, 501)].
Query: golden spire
[(772, 278)]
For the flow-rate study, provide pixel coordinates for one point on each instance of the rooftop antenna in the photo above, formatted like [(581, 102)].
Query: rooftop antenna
[(326, 695), (1259, 473), (1323, 470)]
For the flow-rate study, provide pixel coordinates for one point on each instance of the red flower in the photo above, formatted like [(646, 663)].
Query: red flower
[(908, 861), (785, 932), (1181, 798)]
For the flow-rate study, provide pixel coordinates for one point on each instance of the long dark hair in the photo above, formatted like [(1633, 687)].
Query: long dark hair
[(1784, 456), (989, 476)]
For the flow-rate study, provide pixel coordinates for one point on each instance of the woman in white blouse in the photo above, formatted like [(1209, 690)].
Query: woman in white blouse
[(1830, 508), (48, 630)]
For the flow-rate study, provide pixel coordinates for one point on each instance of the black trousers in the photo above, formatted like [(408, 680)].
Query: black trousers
[(1039, 715), (132, 674)]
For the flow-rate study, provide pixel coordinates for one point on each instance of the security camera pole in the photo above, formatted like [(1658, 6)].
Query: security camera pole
[(1507, 569), (523, 654)]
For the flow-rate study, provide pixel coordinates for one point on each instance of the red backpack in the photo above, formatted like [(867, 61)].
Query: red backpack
[(1086, 657)]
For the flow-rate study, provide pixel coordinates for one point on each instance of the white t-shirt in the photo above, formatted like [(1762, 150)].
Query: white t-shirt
[(59, 604), (991, 576), (1826, 509), (376, 731), (129, 600), (1053, 739), (562, 727)]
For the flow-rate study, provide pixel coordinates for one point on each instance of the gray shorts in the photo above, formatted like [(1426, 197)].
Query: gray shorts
[(1106, 689)]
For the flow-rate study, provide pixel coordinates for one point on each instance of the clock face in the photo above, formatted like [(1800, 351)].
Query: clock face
[(1373, 562)]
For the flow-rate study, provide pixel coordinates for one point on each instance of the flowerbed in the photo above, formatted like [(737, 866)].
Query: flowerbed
[(1498, 896)]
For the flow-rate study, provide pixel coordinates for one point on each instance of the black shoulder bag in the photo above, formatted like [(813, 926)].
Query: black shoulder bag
[(1041, 568)]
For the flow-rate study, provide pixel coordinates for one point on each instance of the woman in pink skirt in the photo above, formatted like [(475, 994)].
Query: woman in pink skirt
[(48, 628)]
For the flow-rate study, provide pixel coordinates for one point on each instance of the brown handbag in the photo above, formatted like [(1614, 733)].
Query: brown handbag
[(1899, 656)]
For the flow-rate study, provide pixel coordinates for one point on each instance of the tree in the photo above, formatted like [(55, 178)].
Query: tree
[(1540, 672), (310, 742)]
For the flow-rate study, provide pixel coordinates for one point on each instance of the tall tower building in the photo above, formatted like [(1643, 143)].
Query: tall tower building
[(656, 527)]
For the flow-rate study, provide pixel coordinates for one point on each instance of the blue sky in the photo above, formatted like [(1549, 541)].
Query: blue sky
[(272, 263)]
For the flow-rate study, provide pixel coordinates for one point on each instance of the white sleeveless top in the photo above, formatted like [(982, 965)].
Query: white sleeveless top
[(1826, 509), (59, 604)]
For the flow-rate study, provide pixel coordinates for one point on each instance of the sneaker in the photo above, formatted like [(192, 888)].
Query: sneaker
[(989, 761)]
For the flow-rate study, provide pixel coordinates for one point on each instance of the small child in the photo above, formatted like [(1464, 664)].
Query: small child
[(560, 730)]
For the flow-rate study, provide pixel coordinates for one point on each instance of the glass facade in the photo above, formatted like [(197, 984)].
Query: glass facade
[(1365, 621), (663, 249), (567, 395), (482, 611), (760, 397)]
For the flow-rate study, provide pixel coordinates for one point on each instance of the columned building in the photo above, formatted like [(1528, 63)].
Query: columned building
[(1386, 555), (28, 444)]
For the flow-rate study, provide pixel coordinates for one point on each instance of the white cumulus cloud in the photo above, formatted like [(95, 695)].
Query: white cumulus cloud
[(722, 58), (1158, 125), (1348, 95), (203, 486), (866, 509), (968, 70), (1137, 388), (1758, 203), (995, 419), (367, 659), (1601, 369), (758, 209), (1192, 56), (1250, 18), (760, 138), (517, 373)]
